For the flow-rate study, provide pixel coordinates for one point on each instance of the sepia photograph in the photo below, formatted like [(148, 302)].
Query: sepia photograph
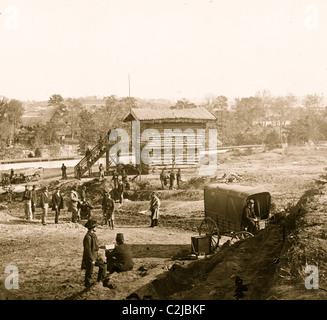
[(171, 151)]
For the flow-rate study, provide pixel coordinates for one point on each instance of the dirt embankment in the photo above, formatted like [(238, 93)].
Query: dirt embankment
[(271, 264)]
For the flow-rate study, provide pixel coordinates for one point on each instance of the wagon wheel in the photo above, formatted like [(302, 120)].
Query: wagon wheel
[(238, 236), (209, 227)]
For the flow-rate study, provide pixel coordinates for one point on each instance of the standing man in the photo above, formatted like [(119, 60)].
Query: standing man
[(27, 199), (12, 173), (154, 208), (87, 152), (100, 144), (103, 205), (63, 172), (57, 203), (171, 179), (162, 178), (178, 177), (44, 203), (101, 172), (84, 194), (73, 204), (90, 254), (110, 212), (83, 200), (124, 176), (33, 200), (115, 178), (121, 189)]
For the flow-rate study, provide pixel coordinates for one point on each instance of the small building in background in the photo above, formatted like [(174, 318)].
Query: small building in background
[(180, 131)]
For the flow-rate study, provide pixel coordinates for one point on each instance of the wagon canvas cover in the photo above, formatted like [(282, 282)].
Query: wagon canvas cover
[(224, 203)]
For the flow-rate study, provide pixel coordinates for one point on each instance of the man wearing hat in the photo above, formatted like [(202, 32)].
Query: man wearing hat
[(90, 254), (33, 200), (120, 258), (110, 207), (154, 208), (103, 205), (27, 196), (63, 172), (57, 203), (73, 204), (249, 217), (44, 203)]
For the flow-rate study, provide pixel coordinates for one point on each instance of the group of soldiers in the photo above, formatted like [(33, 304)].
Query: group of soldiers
[(45, 200), (80, 207), (171, 177)]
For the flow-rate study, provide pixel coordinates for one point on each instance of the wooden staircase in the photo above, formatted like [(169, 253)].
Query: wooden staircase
[(95, 154)]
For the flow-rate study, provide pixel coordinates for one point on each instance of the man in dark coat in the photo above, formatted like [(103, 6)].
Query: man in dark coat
[(178, 178), (249, 217), (86, 210), (27, 198), (121, 190), (110, 207), (162, 178), (120, 258), (115, 178), (90, 254), (33, 201), (103, 205), (57, 203), (171, 179), (12, 173), (63, 172)]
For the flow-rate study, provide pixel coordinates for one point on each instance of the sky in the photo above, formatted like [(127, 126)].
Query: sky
[(170, 49)]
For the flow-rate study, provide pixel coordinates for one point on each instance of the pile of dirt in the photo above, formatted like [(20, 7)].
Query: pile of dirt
[(196, 183), (94, 188), (305, 245)]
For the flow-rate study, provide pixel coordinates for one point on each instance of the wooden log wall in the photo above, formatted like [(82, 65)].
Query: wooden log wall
[(182, 137)]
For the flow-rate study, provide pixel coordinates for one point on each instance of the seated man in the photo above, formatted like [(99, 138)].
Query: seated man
[(86, 209), (249, 217), (120, 258)]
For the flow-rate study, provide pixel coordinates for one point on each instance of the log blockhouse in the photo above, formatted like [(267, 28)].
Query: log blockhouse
[(179, 134)]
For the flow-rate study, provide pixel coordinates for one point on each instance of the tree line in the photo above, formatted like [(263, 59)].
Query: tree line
[(259, 119), (72, 122), (265, 119), (11, 112)]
